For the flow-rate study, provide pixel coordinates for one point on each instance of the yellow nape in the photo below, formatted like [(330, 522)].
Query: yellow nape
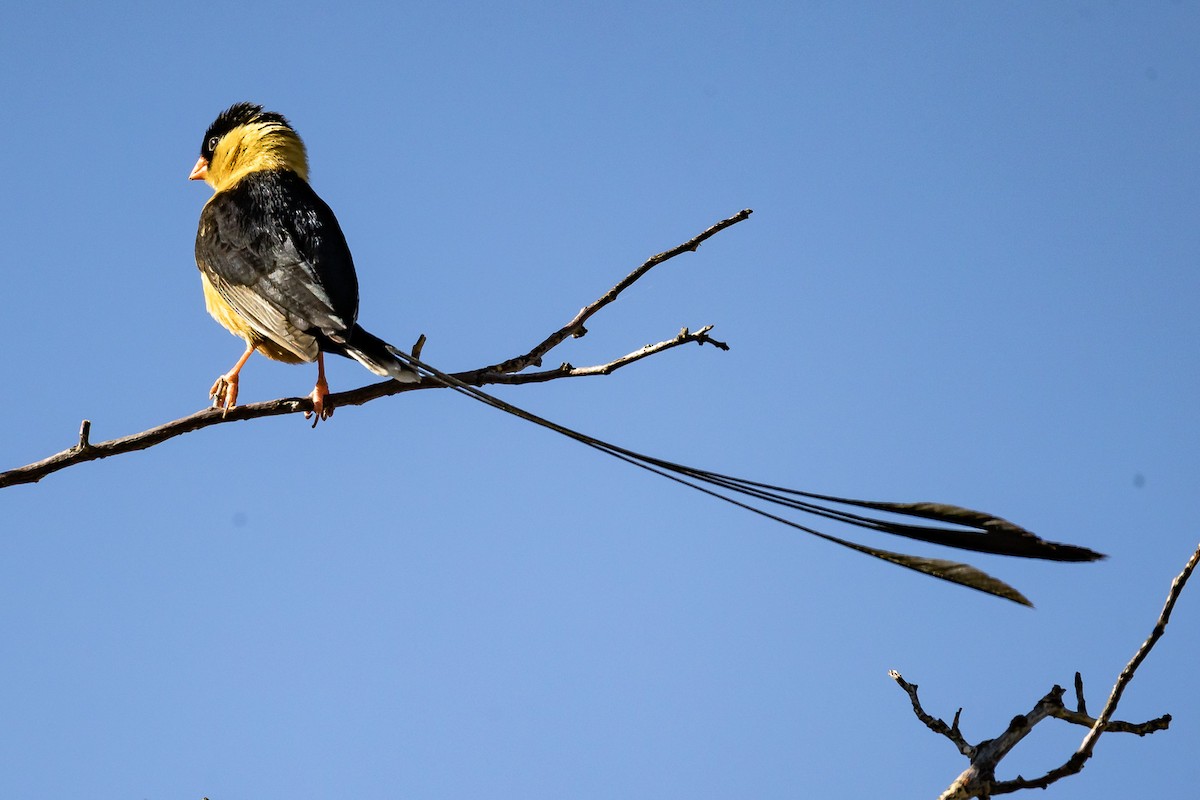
[(254, 147)]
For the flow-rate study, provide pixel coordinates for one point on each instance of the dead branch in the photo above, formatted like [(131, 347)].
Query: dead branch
[(575, 328), (935, 724), (510, 372), (979, 780)]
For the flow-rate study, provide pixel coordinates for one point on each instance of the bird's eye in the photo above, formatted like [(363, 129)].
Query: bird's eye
[(212, 143)]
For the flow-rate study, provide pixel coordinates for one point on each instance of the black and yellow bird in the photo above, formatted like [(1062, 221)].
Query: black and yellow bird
[(277, 272), (275, 266)]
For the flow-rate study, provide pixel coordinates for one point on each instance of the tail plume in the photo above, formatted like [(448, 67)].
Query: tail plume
[(954, 526)]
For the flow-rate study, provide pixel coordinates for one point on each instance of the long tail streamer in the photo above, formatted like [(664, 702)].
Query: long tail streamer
[(972, 530)]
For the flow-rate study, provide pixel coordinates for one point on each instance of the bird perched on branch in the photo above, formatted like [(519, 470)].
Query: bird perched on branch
[(277, 272), (274, 264)]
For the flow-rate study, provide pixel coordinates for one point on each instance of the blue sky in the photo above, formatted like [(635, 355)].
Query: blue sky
[(970, 277)]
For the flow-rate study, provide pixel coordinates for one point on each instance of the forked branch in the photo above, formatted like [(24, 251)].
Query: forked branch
[(509, 372), (936, 523), (979, 779)]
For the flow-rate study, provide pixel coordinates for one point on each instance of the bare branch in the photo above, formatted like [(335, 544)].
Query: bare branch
[(1115, 725), (978, 780), (566, 370), (1160, 627), (1080, 703), (1105, 722), (1080, 716), (508, 372), (934, 724), (575, 328)]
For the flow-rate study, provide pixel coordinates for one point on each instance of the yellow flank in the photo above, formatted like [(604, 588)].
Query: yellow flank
[(223, 313), (236, 324), (254, 147)]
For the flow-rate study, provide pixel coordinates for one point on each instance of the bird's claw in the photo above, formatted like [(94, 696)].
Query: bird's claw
[(322, 408), (224, 392)]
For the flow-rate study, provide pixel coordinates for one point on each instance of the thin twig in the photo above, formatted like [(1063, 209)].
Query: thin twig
[(935, 724), (566, 370), (1115, 725), (575, 328), (1160, 627)]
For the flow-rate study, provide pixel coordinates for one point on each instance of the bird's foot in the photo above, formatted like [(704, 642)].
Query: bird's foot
[(224, 392), (322, 408)]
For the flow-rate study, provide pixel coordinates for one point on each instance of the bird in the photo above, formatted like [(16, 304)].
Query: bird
[(274, 264), (276, 271)]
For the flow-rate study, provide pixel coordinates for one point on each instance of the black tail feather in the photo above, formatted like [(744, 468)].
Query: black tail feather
[(972, 530), (376, 355)]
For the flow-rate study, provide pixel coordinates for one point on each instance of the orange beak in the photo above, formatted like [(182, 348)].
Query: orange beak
[(200, 171)]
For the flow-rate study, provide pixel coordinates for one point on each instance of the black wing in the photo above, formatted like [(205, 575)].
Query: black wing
[(275, 252)]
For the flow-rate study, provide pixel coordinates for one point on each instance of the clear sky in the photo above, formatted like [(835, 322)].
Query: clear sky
[(971, 276)]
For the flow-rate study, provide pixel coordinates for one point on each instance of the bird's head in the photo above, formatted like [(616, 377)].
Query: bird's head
[(244, 139)]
